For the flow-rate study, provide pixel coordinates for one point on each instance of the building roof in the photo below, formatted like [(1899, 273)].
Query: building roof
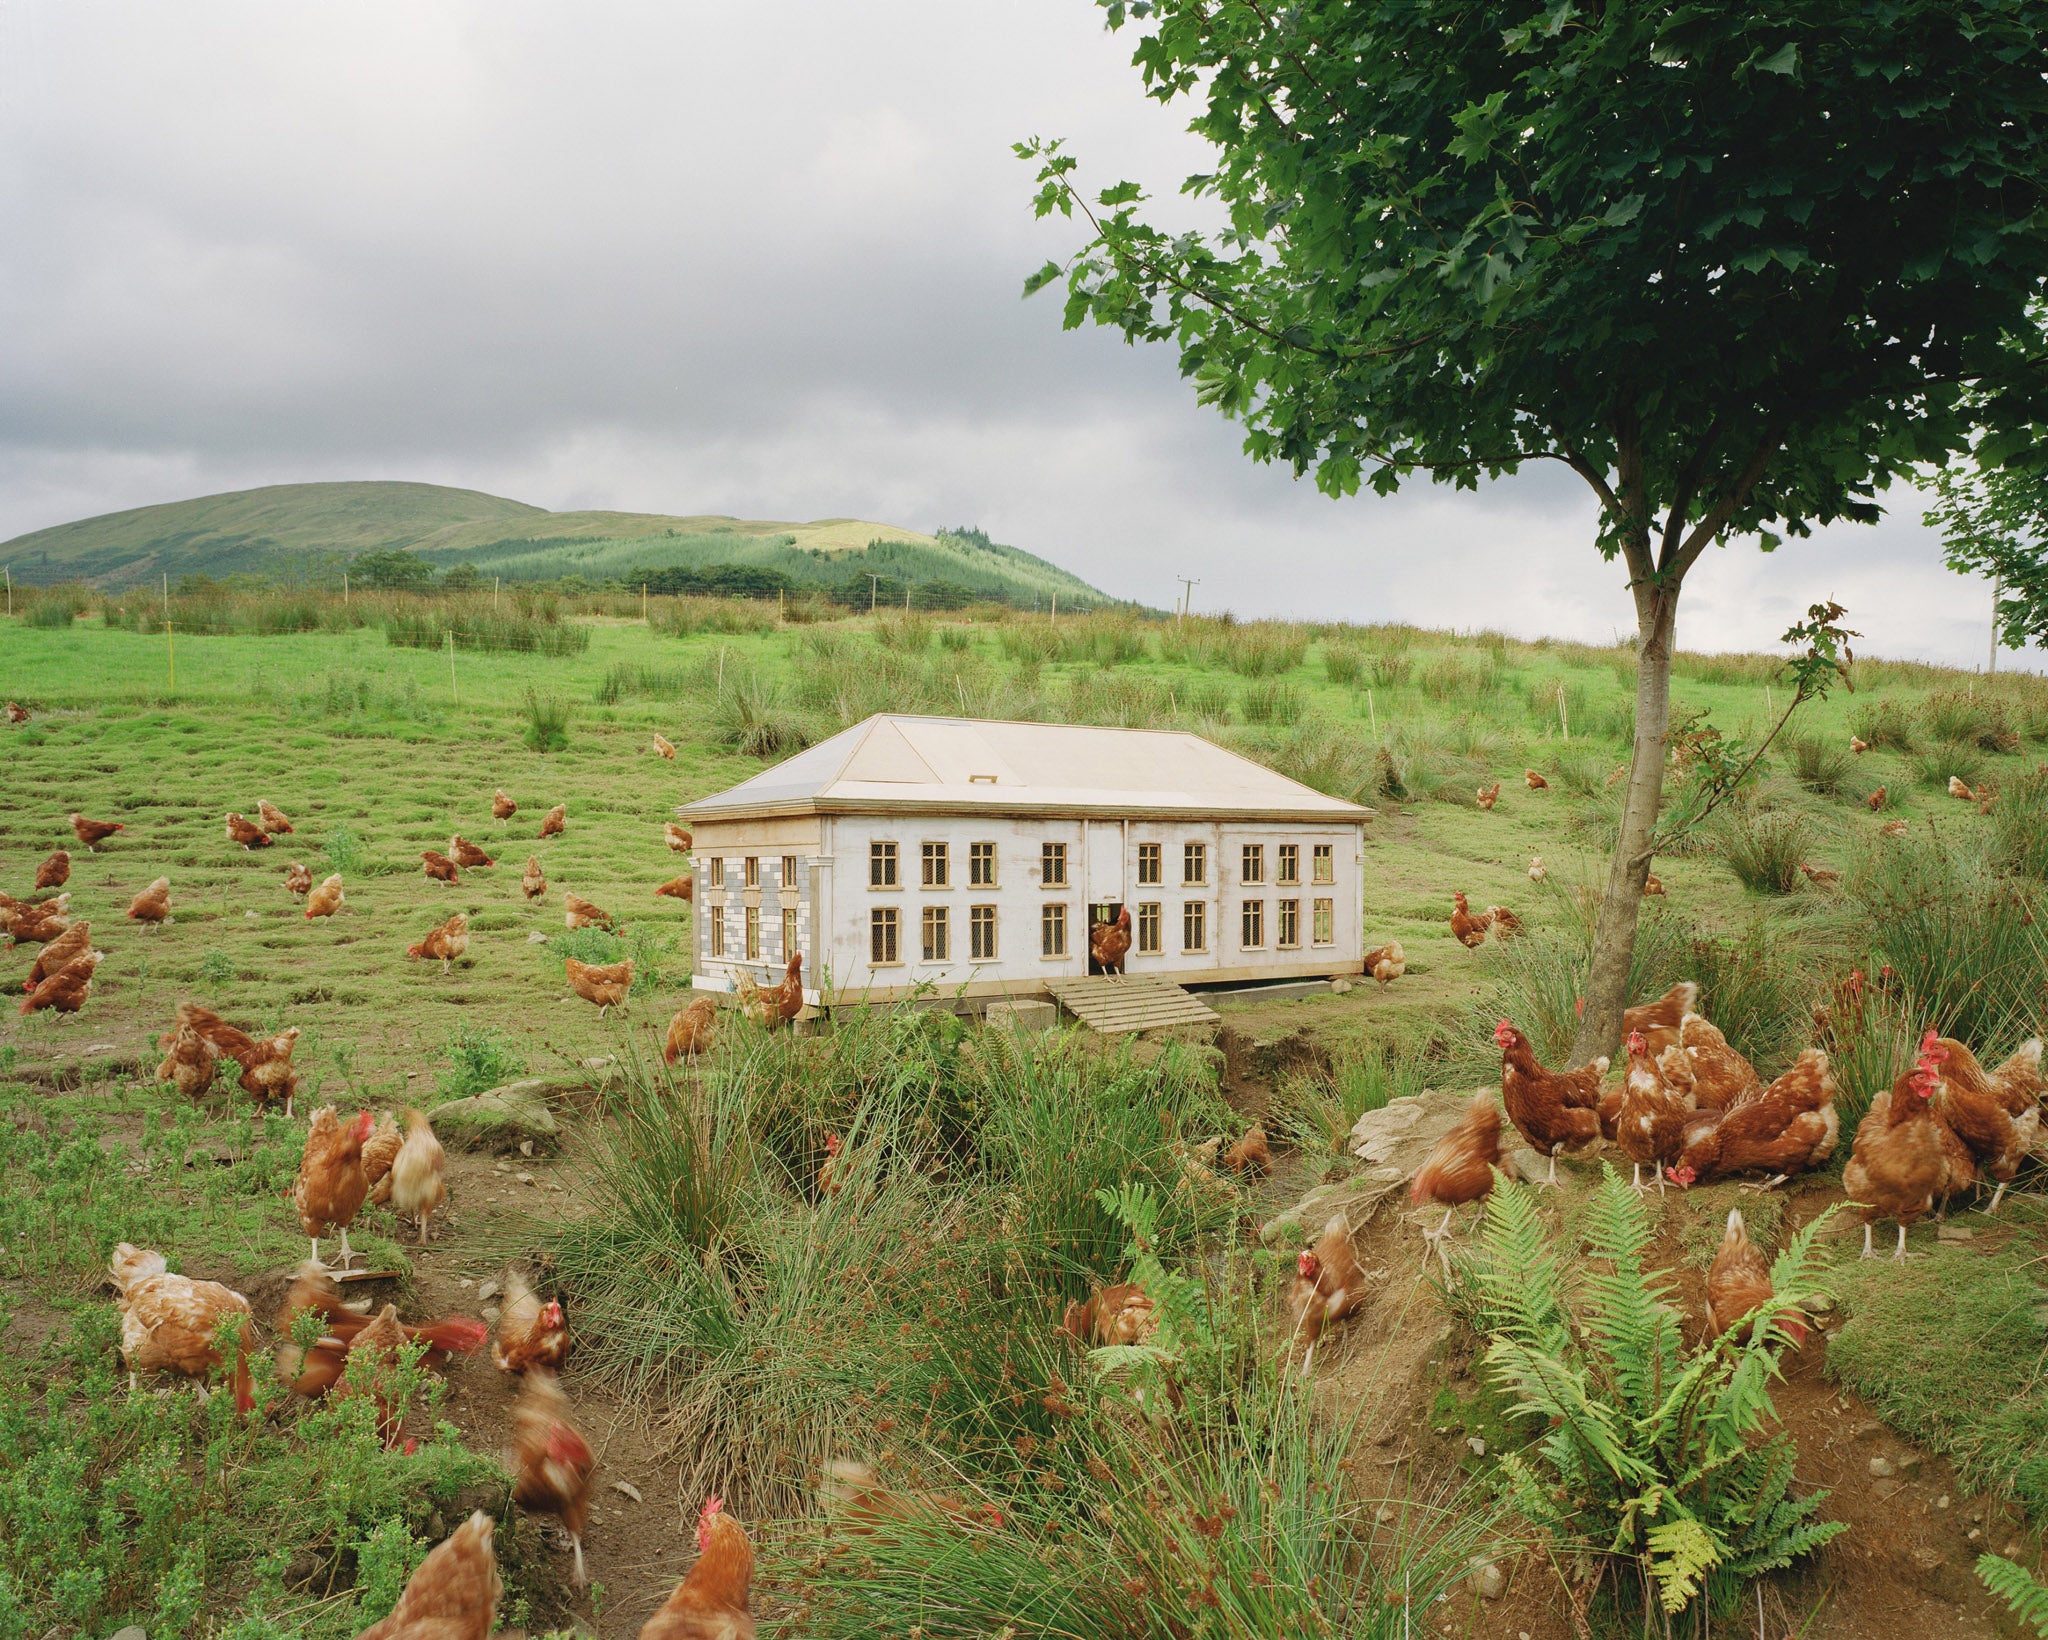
[(895, 763)]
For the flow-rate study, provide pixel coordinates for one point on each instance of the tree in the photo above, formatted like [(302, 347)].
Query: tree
[(1737, 266), (1994, 521), (461, 578), (392, 570)]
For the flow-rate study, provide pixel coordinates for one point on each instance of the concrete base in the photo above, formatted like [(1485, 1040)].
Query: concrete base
[(1281, 989), (1023, 1014)]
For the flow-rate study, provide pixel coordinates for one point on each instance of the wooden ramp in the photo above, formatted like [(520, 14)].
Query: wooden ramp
[(1114, 1003)]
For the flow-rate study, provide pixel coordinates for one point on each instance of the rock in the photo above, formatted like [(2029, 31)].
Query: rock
[(629, 1489), (1383, 1514), (1022, 1014), (1973, 1535), (523, 1178), (1864, 1431), (1820, 1304), (1909, 1463), (491, 1313), (247, 916), (1379, 1134), (1942, 1501), (536, 938), (1954, 1232), (1527, 1164), (1477, 1446), (488, 1291), (1342, 986), (500, 1119), (1880, 1468), (526, 1147), (1489, 1580), (135, 1631), (597, 1062)]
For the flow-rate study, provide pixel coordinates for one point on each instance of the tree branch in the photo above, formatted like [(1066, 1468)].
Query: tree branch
[(1688, 487), (1717, 516)]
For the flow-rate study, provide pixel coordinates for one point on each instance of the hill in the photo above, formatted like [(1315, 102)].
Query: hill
[(306, 533)]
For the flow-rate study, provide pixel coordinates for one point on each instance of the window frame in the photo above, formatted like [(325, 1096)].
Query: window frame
[(714, 869), (750, 932), (1251, 863), (1053, 919), (750, 871), (934, 920), (788, 932), (980, 855), (884, 860), (1286, 923), (1151, 920), (1196, 855), (789, 872), (1196, 911), (1049, 855), (715, 927), (1287, 865), (934, 851), (1251, 912), (1323, 865), (885, 920), (1323, 916), (976, 923), (1152, 855)]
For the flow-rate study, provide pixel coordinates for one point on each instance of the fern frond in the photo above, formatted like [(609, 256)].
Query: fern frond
[(1681, 1551), (2021, 1591)]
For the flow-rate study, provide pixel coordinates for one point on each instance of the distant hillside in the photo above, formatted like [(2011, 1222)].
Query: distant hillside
[(308, 532)]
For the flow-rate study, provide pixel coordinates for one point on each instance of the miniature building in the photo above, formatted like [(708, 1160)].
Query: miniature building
[(972, 857)]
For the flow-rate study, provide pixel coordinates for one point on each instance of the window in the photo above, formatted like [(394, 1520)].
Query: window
[(882, 935), (938, 939), (1288, 932), (881, 865), (718, 874), (1254, 863), (981, 865), (788, 871), (1194, 864), (788, 931), (1288, 871), (717, 926), (1194, 926), (753, 868), (1252, 925), (935, 867), (1326, 862), (1150, 935), (1053, 865), (1052, 930), (753, 925), (1150, 872), (981, 933), (1326, 922)]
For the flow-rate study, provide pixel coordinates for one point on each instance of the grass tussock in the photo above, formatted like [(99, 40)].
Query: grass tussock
[(1765, 849)]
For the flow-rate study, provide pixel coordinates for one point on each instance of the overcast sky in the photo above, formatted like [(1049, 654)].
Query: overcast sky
[(754, 258)]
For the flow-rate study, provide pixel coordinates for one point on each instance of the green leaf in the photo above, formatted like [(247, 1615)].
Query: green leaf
[(1784, 60)]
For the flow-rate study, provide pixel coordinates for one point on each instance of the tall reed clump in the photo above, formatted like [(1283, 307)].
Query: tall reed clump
[(1344, 666), (685, 617), (430, 626), (1821, 766), (1273, 702), (1765, 849), (1317, 1108), (1939, 762), (1970, 719), (1264, 649), (547, 722), (1885, 724), (1459, 677), (2019, 818), (1967, 942), (752, 715)]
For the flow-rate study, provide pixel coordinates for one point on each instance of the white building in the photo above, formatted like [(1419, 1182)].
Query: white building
[(972, 857)]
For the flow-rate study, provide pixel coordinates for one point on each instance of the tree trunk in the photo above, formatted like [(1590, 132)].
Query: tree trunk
[(1614, 939)]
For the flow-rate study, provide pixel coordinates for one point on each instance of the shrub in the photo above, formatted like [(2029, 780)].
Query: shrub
[(48, 612), (1821, 766), (547, 722), (1765, 850), (479, 1059), (1970, 719), (1655, 1461)]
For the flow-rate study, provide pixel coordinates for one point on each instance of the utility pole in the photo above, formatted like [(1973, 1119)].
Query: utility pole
[(1997, 588), (1188, 583)]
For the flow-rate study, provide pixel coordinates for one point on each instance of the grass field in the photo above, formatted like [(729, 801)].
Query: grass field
[(379, 751)]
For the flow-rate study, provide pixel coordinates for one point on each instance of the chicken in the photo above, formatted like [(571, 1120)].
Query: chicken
[(1958, 789), (1650, 1125), (1719, 1077), (1896, 1168), (1997, 1119), (1892, 828), (530, 1333), (1739, 1281), (92, 833), (1386, 963), (502, 807), (189, 1061), (16, 712), (1858, 745), (445, 944), (1659, 1021), (553, 1461), (223, 1037), (331, 1183), (1537, 869), (679, 841), (297, 879), (555, 821), (1250, 1154), (1536, 782), (68, 946), (1653, 884), (153, 904), (1110, 942), (604, 984), (419, 1183), (380, 1150), (1468, 930), (690, 1032), (664, 748), (769, 1006), (1460, 1168), (381, 1342), (534, 882), (274, 820), (1504, 923), (40, 923), (1328, 1286), (438, 867), (240, 831), (678, 888), (1876, 799), (64, 991), (577, 912), (465, 853), (319, 1366), (858, 1504), (454, 1594), (54, 872), (830, 1179), (1553, 1110), (169, 1322), (1120, 1314), (1788, 1128), (1487, 796), (267, 1074), (327, 899), (1819, 876), (711, 1602)]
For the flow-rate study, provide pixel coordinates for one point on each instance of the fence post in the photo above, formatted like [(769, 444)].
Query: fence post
[(453, 698), (171, 649)]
